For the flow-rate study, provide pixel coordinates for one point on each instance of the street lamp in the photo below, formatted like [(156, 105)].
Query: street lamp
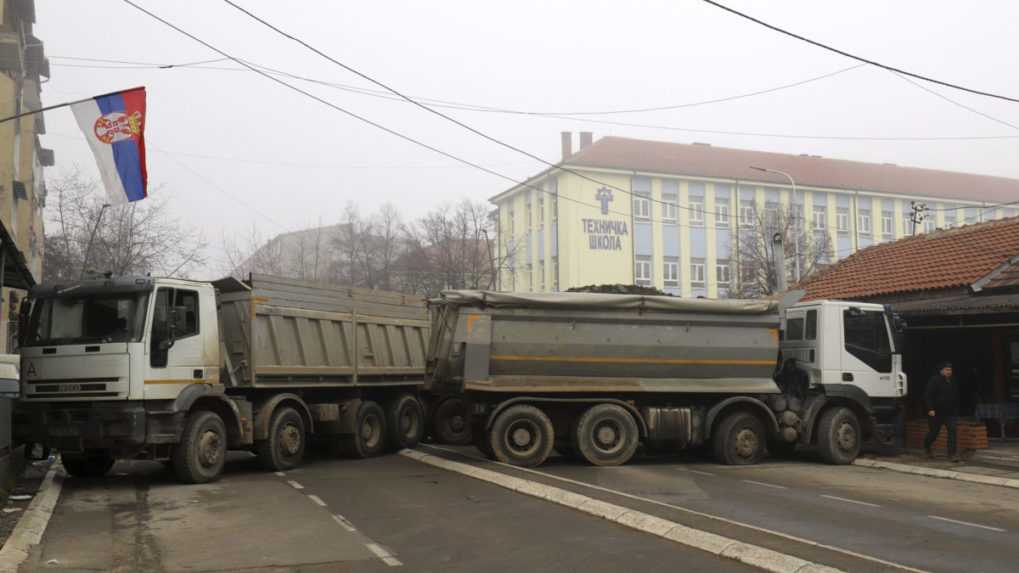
[(796, 229)]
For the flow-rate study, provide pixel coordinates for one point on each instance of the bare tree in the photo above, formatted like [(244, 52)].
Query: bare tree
[(451, 248), (758, 271), (135, 238)]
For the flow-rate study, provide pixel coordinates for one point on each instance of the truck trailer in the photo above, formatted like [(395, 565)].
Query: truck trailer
[(594, 376), (181, 371)]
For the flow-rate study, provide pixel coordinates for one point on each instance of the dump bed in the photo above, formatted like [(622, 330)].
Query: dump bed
[(582, 342), (288, 333)]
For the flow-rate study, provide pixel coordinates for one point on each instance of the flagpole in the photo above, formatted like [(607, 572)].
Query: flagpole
[(65, 104)]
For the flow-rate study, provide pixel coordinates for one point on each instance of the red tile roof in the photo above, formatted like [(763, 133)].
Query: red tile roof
[(810, 170), (951, 258)]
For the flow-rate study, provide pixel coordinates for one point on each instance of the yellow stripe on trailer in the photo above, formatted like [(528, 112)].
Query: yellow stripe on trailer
[(631, 360)]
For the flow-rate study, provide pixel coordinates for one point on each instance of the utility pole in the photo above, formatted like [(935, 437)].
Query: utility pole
[(796, 220), (919, 214), (778, 251)]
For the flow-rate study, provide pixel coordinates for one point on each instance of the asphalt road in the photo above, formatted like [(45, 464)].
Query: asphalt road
[(383, 514), (853, 518)]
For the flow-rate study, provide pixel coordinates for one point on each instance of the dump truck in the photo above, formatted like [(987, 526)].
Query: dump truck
[(595, 376), (181, 371)]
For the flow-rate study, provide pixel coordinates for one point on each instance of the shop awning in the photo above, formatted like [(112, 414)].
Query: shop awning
[(13, 266)]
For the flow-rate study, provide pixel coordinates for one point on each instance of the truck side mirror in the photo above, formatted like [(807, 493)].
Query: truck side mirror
[(175, 323)]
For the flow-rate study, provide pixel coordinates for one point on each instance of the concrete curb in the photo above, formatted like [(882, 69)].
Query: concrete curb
[(32, 525), (753, 555), (933, 472)]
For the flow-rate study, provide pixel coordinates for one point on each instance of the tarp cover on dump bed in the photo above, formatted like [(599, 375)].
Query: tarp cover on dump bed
[(595, 301)]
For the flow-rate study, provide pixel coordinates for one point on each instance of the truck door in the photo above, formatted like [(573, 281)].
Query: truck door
[(175, 344), (867, 352)]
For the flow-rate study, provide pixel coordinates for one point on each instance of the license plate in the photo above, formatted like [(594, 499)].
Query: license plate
[(70, 387)]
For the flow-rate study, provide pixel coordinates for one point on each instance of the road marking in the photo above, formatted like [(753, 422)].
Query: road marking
[(938, 517), (384, 555), (698, 472), (790, 537), (847, 500), (344, 523), (753, 555), (764, 484), (281, 474), (317, 500), (295, 485)]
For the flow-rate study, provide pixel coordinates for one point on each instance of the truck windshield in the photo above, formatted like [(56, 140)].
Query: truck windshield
[(118, 318)]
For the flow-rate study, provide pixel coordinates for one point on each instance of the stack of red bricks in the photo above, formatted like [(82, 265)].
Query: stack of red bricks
[(971, 435)]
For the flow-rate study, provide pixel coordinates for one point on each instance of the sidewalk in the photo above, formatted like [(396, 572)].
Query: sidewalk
[(997, 465)]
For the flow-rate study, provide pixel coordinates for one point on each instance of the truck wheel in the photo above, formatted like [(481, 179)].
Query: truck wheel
[(370, 437), (405, 419), (838, 436), (200, 455), (739, 440), (606, 435), (91, 464), (451, 422), (284, 449), (522, 436)]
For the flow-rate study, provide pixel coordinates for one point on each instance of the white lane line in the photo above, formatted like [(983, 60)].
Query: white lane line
[(317, 500), (764, 484), (956, 521), (384, 555), (344, 523), (295, 485), (698, 472), (659, 503), (281, 474), (847, 500)]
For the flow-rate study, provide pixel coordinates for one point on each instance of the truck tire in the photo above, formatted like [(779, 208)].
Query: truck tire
[(606, 435), (369, 439), (838, 436), (201, 453), (522, 435), (284, 449), (91, 464), (451, 422), (405, 420), (739, 440)]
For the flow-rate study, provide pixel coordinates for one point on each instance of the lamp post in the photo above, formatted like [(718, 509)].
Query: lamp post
[(796, 228)]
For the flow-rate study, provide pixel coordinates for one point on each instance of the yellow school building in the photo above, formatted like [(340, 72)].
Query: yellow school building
[(669, 215)]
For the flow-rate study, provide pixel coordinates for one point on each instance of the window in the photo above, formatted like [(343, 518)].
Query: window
[(771, 215), (641, 207), (528, 222), (722, 215), (929, 223), (175, 316), (541, 212), (907, 224), (555, 274), (697, 272), (887, 223), (642, 271), (88, 319), (541, 276), (512, 223), (863, 222), (723, 273), (867, 338), (669, 210), (530, 278), (842, 221), (811, 325), (696, 213), (746, 215), (671, 272), (794, 329), (820, 218)]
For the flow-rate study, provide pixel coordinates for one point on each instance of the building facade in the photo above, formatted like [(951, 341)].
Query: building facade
[(23, 69), (672, 215)]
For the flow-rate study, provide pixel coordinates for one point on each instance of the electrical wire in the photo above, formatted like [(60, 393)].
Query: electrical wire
[(564, 116), (859, 58)]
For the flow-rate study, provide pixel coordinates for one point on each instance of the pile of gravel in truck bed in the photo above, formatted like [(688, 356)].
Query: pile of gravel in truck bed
[(620, 289)]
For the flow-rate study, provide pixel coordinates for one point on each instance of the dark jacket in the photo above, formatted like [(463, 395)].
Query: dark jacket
[(942, 395)]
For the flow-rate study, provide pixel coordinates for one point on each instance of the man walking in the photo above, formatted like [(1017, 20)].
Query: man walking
[(942, 399)]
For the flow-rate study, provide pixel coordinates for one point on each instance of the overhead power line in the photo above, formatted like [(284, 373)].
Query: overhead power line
[(361, 118), (860, 58), (565, 116)]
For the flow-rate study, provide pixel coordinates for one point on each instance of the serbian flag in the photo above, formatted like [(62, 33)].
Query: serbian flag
[(114, 125)]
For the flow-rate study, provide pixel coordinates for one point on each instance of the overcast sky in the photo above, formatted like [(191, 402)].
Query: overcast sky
[(233, 150)]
